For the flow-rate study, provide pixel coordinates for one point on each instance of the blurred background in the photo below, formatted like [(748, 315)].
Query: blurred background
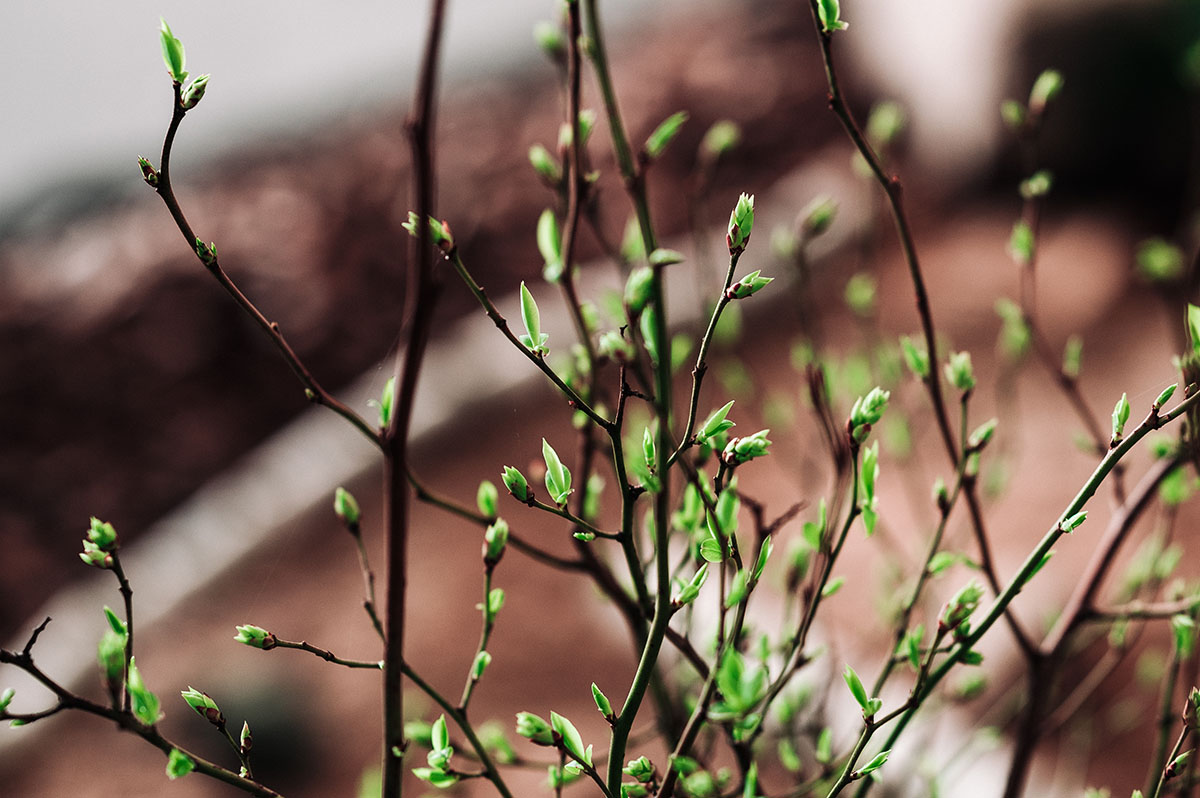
[(133, 390)]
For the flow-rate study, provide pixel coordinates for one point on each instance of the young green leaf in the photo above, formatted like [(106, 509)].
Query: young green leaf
[(144, 704), (571, 741), (558, 476), (385, 402), (179, 764), (856, 687), (1120, 416), (664, 134), (549, 243), (829, 12), (602, 703), (172, 53), (1021, 243), (534, 339), (516, 483), (741, 223)]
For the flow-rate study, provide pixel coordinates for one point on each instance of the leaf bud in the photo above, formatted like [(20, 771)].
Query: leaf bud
[(194, 93), (149, 174), (255, 637), (534, 728), (204, 706), (495, 538), (516, 484), (741, 224), (346, 508)]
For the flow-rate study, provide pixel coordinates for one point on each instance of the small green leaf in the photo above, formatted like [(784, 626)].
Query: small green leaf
[(860, 294), (1045, 88), (144, 704), (385, 402), (829, 12), (1184, 629), (738, 589), (571, 741), (558, 476), (547, 168), (1072, 356), (179, 764), (722, 137), (486, 497), (824, 752), (716, 423), (1013, 113), (534, 728), (885, 123), (856, 687), (1164, 397), (172, 53), (516, 483), (346, 508), (534, 339), (549, 241), (1021, 243), (1120, 416), (1036, 185), (915, 357), (764, 553), (833, 586), (602, 702), (875, 764), (741, 223), (664, 134)]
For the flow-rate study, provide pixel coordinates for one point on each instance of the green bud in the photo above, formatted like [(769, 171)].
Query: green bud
[(749, 285), (664, 134), (110, 653), (720, 139), (716, 423), (884, 124), (1120, 416), (1021, 243), (1045, 88), (549, 243), (741, 223), (149, 174), (558, 476), (915, 357), (255, 637), (638, 289), (1036, 185), (1184, 630), (1164, 397), (642, 770), (194, 93), (866, 412), (102, 534), (603, 704), (179, 764), (1193, 327), (829, 12), (495, 538), (1015, 336), (172, 53), (534, 339), (691, 590), (534, 729), (6, 698), (346, 508), (1159, 261), (551, 40), (856, 687), (204, 705), (514, 480), (571, 741), (143, 703), (959, 372), (485, 498), (860, 294), (1013, 113), (959, 608), (817, 216), (94, 556), (633, 246), (385, 402), (1072, 356), (875, 764), (439, 233), (741, 450), (482, 660), (206, 252), (666, 257), (547, 168), (246, 739), (615, 347), (981, 435)]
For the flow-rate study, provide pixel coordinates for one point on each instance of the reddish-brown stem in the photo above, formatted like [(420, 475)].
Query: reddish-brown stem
[(421, 298)]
